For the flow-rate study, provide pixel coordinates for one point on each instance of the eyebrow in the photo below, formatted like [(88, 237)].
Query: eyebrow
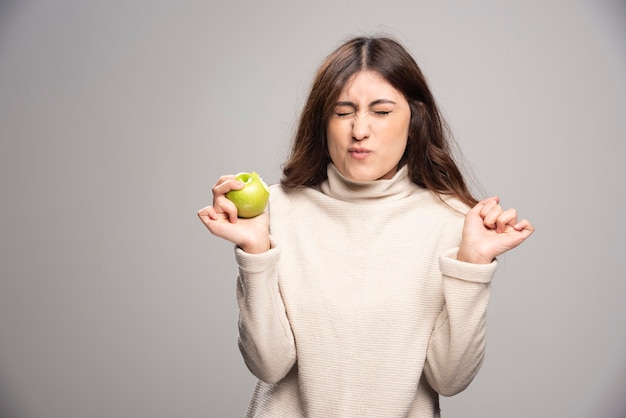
[(374, 103)]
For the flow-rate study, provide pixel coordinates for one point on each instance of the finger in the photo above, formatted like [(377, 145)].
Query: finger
[(477, 208), (488, 204), (524, 225), (224, 178), (490, 216), (508, 217), (225, 206), (222, 209), (226, 184), (203, 213), (491, 198), (221, 204), (208, 214)]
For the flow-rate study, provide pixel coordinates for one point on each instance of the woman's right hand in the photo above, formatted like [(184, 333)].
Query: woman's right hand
[(251, 235)]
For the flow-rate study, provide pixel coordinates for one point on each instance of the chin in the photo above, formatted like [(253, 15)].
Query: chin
[(363, 174)]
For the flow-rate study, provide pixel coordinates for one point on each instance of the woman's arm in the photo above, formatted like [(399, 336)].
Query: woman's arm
[(456, 349), (457, 344), (265, 337)]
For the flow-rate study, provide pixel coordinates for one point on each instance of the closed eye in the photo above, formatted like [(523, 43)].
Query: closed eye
[(344, 109)]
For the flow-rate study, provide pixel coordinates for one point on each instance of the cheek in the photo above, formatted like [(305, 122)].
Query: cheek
[(332, 142), (404, 126), (334, 134), (398, 140), (397, 149), (397, 133)]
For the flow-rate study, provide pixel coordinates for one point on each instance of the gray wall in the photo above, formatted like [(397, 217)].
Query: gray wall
[(116, 117)]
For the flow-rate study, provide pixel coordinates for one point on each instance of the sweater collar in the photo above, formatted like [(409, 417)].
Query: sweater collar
[(342, 188)]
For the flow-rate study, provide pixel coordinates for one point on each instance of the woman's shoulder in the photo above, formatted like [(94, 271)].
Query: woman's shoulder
[(451, 207), (283, 198), (281, 192), (455, 203)]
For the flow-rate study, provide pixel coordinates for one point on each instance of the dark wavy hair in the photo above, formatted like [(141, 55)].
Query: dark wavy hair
[(428, 153)]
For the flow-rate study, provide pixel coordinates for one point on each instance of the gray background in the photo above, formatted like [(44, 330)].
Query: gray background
[(116, 117)]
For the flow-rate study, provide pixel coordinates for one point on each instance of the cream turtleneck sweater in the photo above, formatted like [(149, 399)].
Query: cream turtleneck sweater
[(360, 308)]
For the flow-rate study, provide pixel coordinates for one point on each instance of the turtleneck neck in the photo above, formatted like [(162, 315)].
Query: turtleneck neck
[(340, 187)]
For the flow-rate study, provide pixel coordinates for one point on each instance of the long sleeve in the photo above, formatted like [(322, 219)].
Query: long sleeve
[(265, 337), (356, 283), (457, 345)]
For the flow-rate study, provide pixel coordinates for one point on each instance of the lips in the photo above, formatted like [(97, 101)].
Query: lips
[(359, 153)]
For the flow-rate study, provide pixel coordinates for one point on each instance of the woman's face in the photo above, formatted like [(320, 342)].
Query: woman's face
[(368, 129)]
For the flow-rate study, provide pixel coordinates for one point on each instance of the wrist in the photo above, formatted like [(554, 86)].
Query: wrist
[(256, 248), (471, 255)]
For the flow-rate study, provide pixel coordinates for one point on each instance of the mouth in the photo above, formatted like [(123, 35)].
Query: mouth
[(359, 153)]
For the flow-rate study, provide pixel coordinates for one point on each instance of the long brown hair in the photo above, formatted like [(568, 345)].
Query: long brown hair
[(428, 153)]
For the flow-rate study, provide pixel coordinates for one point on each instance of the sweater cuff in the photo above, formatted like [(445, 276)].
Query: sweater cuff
[(256, 263), (479, 273)]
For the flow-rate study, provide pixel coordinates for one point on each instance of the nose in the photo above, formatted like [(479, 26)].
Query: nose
[(360, 128)]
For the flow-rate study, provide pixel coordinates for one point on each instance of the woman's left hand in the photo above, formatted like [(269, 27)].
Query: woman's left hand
[(489, 231)]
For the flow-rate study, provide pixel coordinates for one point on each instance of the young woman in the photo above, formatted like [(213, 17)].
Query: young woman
[(363, 289)]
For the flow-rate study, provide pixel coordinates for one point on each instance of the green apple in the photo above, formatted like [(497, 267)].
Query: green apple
[(252, 199)]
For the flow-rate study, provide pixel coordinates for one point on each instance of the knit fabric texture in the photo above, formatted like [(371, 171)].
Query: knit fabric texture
[(360, 308)]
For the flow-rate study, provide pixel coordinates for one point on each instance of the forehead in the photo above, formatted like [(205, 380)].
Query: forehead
[(368, 83)]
